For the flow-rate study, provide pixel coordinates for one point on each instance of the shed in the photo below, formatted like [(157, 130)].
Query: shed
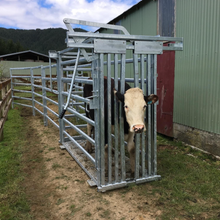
[(27, 58), (188, 81)]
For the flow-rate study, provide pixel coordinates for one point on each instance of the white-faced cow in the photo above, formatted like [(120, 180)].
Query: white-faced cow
[(134, 103)]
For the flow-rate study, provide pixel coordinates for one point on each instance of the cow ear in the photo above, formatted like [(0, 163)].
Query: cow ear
[(119, 96), (151, 99)]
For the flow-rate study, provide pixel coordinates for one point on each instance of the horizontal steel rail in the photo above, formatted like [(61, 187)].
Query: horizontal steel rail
[(76, 128), (77, 97), (80, 147), (21, 84), (25, 68), (17, 103), (38, 110), (51, 100), (21, 91), (124, 37), (79, 115), (24, 98), (77, 80), (20, 76), (52, 121)]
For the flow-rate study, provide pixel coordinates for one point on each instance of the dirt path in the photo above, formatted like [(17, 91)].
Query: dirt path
[(57, 187)]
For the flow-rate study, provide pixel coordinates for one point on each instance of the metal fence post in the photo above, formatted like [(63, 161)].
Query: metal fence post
[(44, 94), (32, 92), (12, 89), (60, 88)]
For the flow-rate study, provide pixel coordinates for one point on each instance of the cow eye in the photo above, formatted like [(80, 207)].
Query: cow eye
[(145, 106), (126, 106)]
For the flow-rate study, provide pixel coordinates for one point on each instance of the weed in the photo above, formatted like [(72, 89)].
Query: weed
[(61, 177), (80, 181), (88, 214), (73, 209), (56, 166), (48, 159), (60, 201), (105, 214)]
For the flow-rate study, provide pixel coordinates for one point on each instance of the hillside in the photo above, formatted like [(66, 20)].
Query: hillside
[(15, 40)]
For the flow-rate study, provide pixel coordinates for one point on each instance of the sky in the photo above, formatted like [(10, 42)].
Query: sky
[(43, 14)]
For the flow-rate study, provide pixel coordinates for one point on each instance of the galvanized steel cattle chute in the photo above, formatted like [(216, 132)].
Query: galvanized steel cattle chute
[(88, 58)]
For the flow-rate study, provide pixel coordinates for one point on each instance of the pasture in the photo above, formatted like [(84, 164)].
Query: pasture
[(38, 180)]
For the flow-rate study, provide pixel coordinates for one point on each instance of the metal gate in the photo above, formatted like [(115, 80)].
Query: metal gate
[(89, 58)]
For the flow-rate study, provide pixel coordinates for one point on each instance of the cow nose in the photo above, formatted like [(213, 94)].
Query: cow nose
[(138, 128)]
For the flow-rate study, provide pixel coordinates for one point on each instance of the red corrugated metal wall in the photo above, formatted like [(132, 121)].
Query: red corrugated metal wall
[(165, 91), (165, 69)]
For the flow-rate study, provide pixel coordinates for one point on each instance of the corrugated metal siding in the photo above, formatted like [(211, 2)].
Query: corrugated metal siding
[(141, 20), (197, 68)]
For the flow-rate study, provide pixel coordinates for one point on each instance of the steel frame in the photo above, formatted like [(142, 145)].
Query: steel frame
[(102, 55)]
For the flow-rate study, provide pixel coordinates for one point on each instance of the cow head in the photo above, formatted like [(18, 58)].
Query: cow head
[(135, 104)]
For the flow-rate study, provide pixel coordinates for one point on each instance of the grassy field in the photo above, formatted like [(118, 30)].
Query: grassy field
[(189, 187), (13, 203)]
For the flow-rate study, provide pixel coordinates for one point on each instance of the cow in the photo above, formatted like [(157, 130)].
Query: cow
[(134, 103)]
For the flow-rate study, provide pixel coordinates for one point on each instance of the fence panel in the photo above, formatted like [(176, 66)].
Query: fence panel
[(5, 103)]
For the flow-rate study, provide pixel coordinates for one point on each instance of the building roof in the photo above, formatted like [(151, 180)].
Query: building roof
[(125, 13), (25, 56)]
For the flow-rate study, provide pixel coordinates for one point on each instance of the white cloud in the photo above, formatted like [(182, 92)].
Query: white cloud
[(32, 14)]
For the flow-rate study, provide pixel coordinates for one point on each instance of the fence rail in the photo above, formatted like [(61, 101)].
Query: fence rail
[(5, 103)]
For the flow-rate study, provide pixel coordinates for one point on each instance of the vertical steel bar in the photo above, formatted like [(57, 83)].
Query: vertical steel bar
[(60, 88), (152, 116), (51, 85), (76, 89), (137, 136), (155, 116), (102, 122), (136, 72), (122, 145), (44, 93), (109, 116), (143, 145), (32, 91), (12, 89), (116, 115), (95, 76), (149, 115)]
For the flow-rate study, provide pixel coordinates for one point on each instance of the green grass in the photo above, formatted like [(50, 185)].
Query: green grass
[(190, 183), (13, 203)]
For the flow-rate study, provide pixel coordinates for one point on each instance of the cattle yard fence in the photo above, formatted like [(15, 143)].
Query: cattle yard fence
[(5, 103), (86, 60)]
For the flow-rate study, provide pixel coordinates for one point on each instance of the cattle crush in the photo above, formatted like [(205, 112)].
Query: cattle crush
[(89, 59)]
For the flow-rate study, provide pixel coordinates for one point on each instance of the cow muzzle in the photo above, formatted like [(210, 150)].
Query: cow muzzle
[(138, 128)]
